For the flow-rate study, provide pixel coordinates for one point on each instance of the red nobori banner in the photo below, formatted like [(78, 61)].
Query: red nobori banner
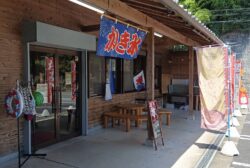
[(50, 76), (73, 78), (237, 66), (119, 40)]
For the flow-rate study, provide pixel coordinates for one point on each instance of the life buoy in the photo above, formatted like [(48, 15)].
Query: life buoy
[(14, 103)]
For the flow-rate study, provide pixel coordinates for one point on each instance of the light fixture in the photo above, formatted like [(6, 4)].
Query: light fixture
[(87, 6), (158, 34)]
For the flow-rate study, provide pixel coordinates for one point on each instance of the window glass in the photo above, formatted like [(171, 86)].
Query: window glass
[(157, 77), (113, 74), (96, 74), (128, 75), (119, 73), (140, 65)]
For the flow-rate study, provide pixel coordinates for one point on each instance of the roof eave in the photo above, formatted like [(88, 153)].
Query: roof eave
[(188, 17)]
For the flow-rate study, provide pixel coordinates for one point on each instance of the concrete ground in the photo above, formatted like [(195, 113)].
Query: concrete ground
[(185, 143), (243, 160), (242, 144)]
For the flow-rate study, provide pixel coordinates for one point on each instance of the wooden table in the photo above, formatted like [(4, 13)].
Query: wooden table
[(132, 109), (166, 112)]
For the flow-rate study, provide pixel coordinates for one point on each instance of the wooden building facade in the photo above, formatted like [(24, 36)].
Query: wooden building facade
[(161, 16)]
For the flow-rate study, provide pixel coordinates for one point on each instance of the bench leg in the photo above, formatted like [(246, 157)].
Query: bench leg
[(127, 125), (105, 121), (168, 119), (113, 122)]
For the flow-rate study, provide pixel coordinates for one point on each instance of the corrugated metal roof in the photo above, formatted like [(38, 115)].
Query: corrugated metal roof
[(176, 17)]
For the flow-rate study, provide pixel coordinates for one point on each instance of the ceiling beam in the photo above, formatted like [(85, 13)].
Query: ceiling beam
[(123, 10), (148, 6), (166, 42)]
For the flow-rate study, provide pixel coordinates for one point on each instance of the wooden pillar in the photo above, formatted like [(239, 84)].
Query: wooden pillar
[(150, 75), (191, 80), (150, 65)]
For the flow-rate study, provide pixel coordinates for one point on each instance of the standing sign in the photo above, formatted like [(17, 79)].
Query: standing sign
[(119, 40), (154, 118)]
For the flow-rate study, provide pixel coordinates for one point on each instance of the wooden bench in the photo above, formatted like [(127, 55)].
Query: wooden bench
[(167, 113), (126, 117)]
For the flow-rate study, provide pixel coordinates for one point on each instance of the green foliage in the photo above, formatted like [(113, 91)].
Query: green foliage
[(220, 4), (191, 5), (203, 15), (221, 16)]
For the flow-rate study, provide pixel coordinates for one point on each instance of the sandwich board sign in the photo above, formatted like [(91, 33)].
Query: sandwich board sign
[(155, 123)]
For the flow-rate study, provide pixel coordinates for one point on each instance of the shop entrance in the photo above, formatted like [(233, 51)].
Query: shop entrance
[(54, 75)]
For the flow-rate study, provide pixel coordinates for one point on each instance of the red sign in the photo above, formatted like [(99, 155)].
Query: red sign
[(152, 105)]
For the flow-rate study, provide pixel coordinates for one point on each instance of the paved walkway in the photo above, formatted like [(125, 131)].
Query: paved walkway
[(243, 160), (242, 144), (185, 143)]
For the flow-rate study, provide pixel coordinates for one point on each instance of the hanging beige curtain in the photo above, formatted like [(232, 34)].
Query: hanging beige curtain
[(212, 81)]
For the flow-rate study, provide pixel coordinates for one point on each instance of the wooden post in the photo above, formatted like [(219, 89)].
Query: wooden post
[(150, 65), (150, 75), (191, 80)]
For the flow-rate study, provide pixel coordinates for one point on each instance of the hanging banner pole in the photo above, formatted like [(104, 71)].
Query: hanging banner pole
[(229, 93), (234, 74), (229, 148)]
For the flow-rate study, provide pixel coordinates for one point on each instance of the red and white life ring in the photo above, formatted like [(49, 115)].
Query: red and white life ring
[(14, 103)]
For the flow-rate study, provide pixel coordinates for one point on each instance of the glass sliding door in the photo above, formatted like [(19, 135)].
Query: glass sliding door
[(54, 76)]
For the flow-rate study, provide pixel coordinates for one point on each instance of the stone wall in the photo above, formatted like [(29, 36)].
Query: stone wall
[(240, 43)]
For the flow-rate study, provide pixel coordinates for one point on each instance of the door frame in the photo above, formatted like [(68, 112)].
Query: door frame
[(56, 54), (46, 35)]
